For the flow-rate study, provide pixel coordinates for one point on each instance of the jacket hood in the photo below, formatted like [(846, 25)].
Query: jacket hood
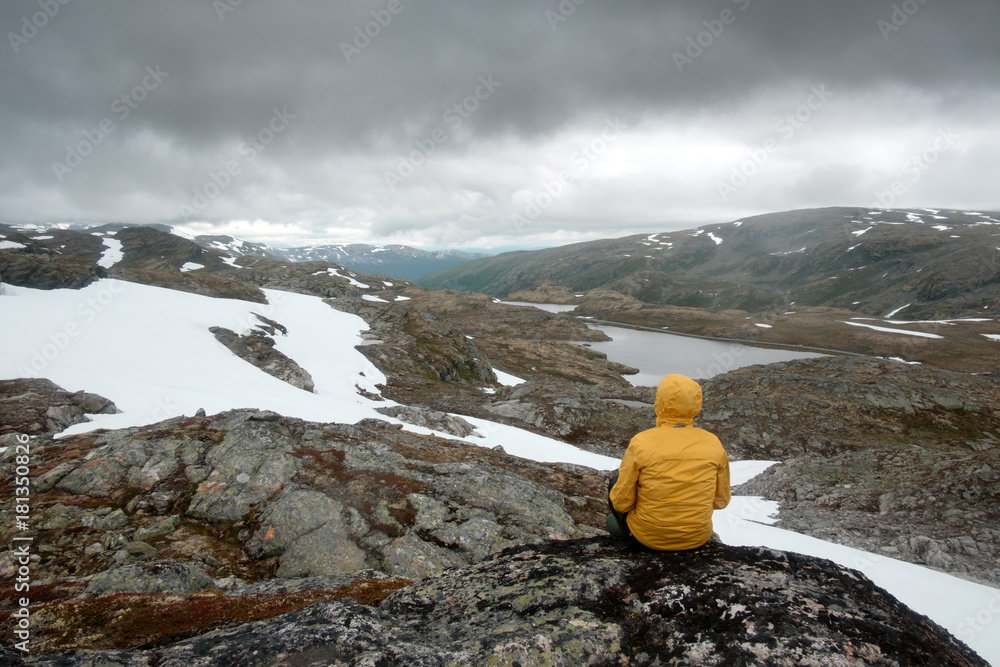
[(678, 401)]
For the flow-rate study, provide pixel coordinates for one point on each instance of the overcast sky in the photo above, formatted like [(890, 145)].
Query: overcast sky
[(490, 124)]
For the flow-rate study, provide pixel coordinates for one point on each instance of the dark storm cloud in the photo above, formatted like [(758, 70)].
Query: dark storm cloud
[(364, 100)]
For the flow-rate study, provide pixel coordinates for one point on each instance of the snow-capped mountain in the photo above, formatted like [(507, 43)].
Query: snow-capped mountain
[(396, 261)]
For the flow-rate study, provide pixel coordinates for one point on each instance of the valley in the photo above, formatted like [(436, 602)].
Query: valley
[(206, 403)]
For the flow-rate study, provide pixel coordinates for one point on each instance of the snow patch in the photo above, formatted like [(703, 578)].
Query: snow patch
[(898, 309), (8, 245), (191, 266), (113, 253), (372, 297), (352, 281), (763, 326), (402, 298), (901, 360), (715, 238), (507, 380), (920, 334), (862, 231)]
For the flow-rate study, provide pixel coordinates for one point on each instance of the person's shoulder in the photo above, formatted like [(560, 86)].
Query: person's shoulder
[(643, 436), (705, 431), (709, 437)]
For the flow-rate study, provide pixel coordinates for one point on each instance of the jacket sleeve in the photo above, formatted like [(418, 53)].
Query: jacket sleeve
[(722, 491), (623, 492)]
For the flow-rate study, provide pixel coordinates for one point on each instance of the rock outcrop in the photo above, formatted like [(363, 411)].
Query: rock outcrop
[(47, 271), (257, 348), (885, 457), (586, 602), (39, 406), (432, 419), (253, 495)]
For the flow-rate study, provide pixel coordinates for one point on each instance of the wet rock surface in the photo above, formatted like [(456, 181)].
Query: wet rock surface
[(590, 602)]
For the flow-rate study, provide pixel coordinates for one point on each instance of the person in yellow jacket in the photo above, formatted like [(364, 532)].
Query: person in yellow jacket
[(672, 477)]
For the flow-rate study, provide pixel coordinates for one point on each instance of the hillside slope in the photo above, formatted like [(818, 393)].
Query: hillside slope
[(935, 263)]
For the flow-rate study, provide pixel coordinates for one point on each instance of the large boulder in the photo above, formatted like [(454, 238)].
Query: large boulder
[(590, 602), (166, 576)]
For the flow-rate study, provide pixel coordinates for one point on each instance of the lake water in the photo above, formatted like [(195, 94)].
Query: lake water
[(657, 355), (548, 307)]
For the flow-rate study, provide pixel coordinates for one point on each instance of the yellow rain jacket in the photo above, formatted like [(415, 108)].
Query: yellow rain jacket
[(673, 476)]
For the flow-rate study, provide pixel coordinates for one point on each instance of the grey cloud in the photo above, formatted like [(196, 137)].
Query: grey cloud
[(606, 59)]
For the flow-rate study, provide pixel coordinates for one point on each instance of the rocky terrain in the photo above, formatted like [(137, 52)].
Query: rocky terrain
[(190, 519), (254, 495), (577, 602), (893, 459), (35, 406)]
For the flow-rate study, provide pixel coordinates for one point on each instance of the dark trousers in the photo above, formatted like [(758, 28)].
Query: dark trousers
[(617, 522)]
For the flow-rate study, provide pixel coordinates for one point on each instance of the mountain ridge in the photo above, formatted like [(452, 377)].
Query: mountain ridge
[(936, 263)]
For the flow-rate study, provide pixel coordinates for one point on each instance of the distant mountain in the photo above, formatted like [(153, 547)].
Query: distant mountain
[(931, 262), (396, 261), (235, 247)]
